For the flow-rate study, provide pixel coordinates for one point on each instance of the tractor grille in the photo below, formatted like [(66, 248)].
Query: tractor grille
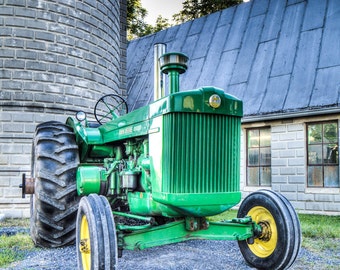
[(200, 153)]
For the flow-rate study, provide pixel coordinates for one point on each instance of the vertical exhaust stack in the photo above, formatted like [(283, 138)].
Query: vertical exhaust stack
[(159, 77), (173, 64)]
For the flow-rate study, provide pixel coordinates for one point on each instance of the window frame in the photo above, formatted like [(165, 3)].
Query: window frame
[(322, 164), (259, 165)]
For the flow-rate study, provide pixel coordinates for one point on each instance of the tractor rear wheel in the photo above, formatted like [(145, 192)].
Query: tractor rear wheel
[(96, 234), (55, 202), (279, 243)]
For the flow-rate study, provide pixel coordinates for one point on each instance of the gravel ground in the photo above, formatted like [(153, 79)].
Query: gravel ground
[(190, 255)]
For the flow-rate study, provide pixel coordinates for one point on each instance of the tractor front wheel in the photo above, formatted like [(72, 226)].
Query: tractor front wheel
[(96, 234), (279, 242)]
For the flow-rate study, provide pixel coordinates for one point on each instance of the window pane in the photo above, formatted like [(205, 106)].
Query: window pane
[(265, 137), (265, 176), (314, 133), (253, 138), (331, 176), (315, 176), (330, 152), (253, 176), (314, 154), (259, 157), (330, 133), (265, 156), (323, 152), (253, 157)]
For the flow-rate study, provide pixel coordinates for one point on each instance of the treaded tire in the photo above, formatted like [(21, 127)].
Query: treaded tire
[(279, 248), (54, 205), (96, 234)]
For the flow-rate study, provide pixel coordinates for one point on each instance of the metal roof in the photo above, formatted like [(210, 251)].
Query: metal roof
[(278, 56)]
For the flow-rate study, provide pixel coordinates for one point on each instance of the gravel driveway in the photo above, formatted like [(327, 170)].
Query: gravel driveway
[(190, 255)]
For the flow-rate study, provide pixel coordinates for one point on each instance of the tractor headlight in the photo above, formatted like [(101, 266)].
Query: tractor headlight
[(81, 116), (215, 101)]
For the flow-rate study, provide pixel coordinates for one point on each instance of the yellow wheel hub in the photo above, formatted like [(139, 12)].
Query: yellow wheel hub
[(84, 244), (265, 245)]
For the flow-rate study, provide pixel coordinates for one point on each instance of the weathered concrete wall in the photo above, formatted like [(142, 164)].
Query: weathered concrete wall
[(56, 57), (289, 166)]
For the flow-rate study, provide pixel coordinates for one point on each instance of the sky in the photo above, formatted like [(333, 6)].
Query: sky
[(166, 8)]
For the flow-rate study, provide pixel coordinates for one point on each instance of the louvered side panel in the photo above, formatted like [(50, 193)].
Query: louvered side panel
[(200, 153)]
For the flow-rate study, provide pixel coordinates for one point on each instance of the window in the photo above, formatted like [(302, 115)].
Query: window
[(258, 157), (323, 156)]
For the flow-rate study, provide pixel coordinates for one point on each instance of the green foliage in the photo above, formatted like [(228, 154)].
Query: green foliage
[(318, 226), (136, 25), (161, 24), (193, 9), (320, 234), (13, 248), (15, 222)]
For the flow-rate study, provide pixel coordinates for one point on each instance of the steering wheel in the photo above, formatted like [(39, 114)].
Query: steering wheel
[(109, 107)]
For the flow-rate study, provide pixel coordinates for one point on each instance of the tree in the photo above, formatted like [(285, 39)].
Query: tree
[(193, 9), (161, 24), (136, 25)]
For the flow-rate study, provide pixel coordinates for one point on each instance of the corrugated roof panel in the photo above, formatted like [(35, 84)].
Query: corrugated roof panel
[(160, 37), (248, 50), (330, 48), (210, 67), (138, 83), (131, 49), (315, 14), (136, 58), (275, 95), (189, 79), (292, 2), (237, 90), (304, 70), (189, 45), (206, 36), (327, 87), (289, 36), (180, 38), (273, 21), (170, 34), (197, 25), (227, 16), (259, 8), (238, 26), (257, 84), (225, 68)]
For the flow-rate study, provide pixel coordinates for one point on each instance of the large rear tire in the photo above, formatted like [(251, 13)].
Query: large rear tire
[(96, 234), (279, 244), (54, 205)]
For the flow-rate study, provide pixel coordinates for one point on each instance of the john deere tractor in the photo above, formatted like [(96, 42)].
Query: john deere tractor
[(151, 177)]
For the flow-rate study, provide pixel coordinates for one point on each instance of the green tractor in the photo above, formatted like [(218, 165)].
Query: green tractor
[(152, 177)]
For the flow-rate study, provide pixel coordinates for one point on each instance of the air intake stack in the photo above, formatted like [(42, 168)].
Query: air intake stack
[(173, 64)]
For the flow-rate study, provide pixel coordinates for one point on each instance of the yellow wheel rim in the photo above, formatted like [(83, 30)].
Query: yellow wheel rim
[(84, 243), (265, 245)]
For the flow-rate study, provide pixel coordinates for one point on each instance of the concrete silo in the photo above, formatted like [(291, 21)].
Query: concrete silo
[(56, 57)]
